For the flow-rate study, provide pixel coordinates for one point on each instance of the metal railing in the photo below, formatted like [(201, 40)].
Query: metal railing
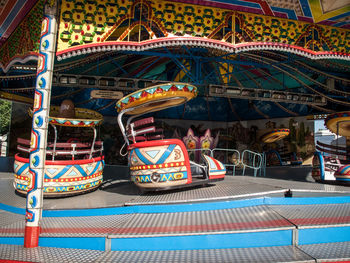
[(232, 158), (65, 150), (253, 160), (3, 147)]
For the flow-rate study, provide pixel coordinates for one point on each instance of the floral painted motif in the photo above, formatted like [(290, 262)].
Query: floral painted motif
[(116, 19)]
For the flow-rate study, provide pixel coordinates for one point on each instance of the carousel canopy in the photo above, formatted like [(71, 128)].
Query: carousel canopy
[(248, 59)]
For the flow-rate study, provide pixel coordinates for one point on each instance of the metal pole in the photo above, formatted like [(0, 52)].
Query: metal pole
[(54, 143), (38, 141), (93, 143)]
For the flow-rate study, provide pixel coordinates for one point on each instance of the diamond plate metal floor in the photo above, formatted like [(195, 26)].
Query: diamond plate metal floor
[(315, 215), (48, 254), (203, 224), (264, 254), (120, 193), (306, 253), (338, 251), (254, 218)]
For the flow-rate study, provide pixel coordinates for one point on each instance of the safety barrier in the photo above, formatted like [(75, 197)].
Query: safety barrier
[(66, 151), (3, 145), (253, 160), (333, 150), (232, 158)]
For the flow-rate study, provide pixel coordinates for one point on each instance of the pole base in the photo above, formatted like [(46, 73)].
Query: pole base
[(31, 236)]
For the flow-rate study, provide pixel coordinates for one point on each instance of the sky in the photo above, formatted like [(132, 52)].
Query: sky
[(319, 124)]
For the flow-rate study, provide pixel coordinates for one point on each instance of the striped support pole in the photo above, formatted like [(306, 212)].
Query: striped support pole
[(40, 125)]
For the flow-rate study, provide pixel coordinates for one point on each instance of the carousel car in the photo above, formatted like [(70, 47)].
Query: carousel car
[(74, 157), (157, 163)]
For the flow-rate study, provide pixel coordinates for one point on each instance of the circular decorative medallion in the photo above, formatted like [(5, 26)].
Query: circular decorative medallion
[(274, 135), (339, 123), (83, 117), (157, 98)]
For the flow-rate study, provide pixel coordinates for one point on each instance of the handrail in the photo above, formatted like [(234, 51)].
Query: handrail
[(255, 161), (331, 152), (258, 160), (62, 144), (235, 159), (330, 146), (64, 148), (23, 141), (70, 144), (61, 152)]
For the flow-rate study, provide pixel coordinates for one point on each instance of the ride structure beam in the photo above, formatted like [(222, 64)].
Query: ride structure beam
[(181, 66), (40, 123)]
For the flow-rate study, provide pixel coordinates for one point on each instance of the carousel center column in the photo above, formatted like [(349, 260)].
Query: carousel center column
[(41, 109)]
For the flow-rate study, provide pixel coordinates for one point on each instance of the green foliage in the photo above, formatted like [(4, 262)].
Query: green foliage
[(301, 135), (292, 131), (5, 116)]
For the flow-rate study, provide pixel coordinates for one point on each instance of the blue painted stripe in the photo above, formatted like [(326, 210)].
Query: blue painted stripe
[(321, 161), (166, 154), (176, 208), (154, 208), (215, 241), (13, 209), (62, 172), (335, 18), (324, 235), (340, 24), (141, 157), (343, 179), (240, 3), (290, 13), (14, 12), (211, 162), (307, 200), (343, 169), (20, 170), (81, 170), (94, 243), (12, 241), (95, 169), (306, 8)]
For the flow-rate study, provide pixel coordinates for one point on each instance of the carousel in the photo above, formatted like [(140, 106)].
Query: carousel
[(74, 164), (250, 60), (331, 163), (157, 163)]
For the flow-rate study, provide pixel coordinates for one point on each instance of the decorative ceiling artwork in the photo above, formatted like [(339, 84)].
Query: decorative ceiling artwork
[(162, 23), (12, 12), (334, 13), (250, 59)]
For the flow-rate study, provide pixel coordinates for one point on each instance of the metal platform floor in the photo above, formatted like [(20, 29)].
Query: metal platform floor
[(334, 252), (268, 255), (121, 193), (241, 219)]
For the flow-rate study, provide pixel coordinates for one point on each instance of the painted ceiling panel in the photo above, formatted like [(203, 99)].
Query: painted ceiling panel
[(265, 70), (12, 12)]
